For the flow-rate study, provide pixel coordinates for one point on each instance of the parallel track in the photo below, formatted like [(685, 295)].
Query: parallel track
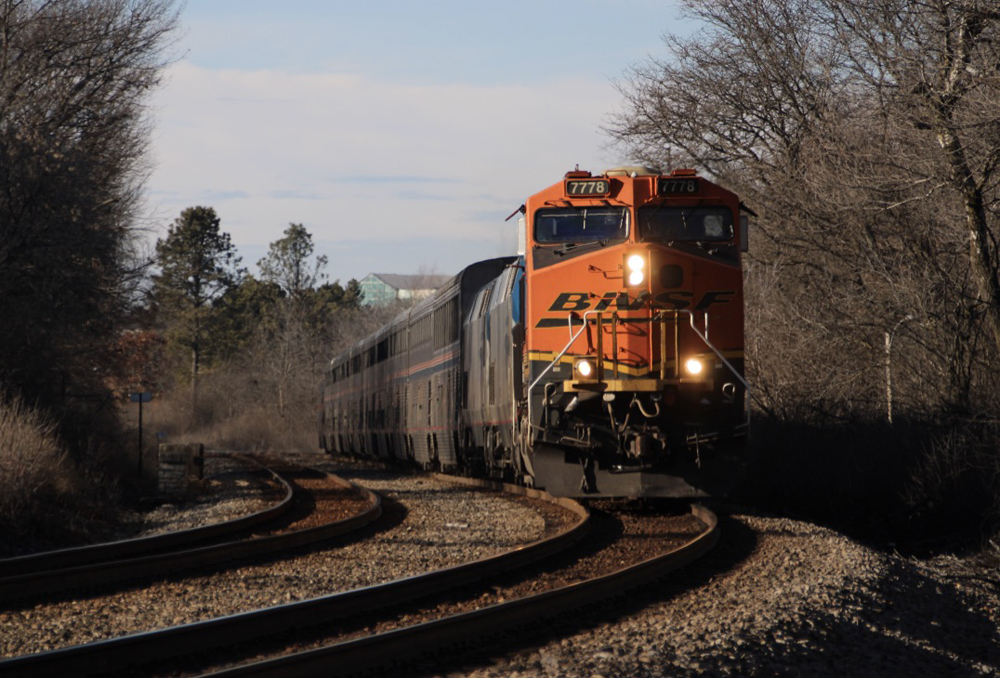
[(130, 548), (131, 559)]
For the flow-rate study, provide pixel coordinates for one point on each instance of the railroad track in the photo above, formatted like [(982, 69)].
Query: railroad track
[(52, 572), (487, 626), (157, 651)]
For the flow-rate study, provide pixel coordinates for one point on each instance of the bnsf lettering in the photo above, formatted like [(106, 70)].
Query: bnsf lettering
[(622, 301), (717, 297), (681, 299), (571, 301), (675, 299)]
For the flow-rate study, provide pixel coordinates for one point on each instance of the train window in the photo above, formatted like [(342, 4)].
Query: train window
[(701, 224), (511, 274), (581, 224), (446, 324), (454, 320), (423, 330)]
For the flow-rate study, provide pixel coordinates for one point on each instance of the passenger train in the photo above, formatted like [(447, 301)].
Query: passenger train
[(605, 360)]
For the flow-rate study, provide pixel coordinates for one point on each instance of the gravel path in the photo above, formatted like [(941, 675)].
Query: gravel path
[(782, 597), (441, 525)]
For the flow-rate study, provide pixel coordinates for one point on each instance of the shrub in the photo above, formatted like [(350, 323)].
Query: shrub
[(34, 470)]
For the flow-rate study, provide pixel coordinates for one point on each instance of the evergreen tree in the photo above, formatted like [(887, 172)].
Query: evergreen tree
[(240, 313), (334, 295), (287, 262), (199, 265)]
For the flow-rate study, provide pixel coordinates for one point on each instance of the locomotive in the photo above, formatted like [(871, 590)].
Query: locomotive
[(605, 360)]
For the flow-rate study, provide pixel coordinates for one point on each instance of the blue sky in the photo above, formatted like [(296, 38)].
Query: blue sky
[(400, 134)]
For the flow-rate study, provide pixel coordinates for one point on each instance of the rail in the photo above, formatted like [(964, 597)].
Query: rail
[(130, 566), (118, 654), (37, 563), (395, 649)]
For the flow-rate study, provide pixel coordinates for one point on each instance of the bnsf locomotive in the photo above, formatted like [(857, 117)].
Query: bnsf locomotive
[(605, 360)]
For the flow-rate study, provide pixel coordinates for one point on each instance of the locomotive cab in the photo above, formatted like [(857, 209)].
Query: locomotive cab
[(634, 333)]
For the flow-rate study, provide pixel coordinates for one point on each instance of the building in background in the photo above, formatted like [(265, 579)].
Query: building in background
[(381, 289)]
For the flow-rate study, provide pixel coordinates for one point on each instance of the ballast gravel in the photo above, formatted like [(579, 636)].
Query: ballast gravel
[(781, 597), (439, 525), (231, 489), (778, 597)]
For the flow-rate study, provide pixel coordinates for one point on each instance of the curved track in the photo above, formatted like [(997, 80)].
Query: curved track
[(379, 651), (47, 573), (120, 653), (130, 548), (155, 650)]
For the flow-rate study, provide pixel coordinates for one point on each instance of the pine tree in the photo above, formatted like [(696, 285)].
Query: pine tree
[(287, 262), (199, 265)]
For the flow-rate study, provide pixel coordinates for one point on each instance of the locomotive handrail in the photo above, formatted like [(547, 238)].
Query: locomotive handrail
[(572, 338), (676, 311), (718, 354)]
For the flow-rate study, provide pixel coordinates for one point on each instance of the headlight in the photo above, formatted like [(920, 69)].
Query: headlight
[(635, 269), (693, 366), (584, 368)]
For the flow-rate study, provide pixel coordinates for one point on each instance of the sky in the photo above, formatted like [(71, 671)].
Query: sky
[(400, 134)]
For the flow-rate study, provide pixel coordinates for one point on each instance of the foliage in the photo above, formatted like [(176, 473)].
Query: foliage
[(139, 359), (270, 340), (844, 136), (239, 312)]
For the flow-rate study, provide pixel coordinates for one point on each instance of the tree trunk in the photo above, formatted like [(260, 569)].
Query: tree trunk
[(982, 257)]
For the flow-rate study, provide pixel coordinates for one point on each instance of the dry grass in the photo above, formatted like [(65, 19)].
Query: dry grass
[(51, 498), (239, 414), (32, 464)]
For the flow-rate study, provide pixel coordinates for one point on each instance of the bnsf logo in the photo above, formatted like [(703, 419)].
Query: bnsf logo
[(676, 299)]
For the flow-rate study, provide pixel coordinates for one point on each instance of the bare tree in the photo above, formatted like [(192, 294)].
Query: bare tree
[(74, 77), (865, 134)]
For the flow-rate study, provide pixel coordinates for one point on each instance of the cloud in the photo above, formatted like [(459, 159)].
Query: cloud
[(346, 155), (393, 180)]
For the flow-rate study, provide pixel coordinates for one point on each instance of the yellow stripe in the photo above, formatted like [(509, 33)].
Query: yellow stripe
[(548, 357)]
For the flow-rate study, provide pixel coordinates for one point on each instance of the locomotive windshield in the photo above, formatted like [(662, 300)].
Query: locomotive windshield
[(702, 224), (581, 224)]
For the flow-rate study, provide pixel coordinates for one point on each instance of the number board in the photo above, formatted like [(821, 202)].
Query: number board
[(583, 188), (678, 186)]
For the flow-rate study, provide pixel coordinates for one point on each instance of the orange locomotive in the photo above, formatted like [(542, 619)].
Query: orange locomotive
[(634, 333), (605, 360)]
